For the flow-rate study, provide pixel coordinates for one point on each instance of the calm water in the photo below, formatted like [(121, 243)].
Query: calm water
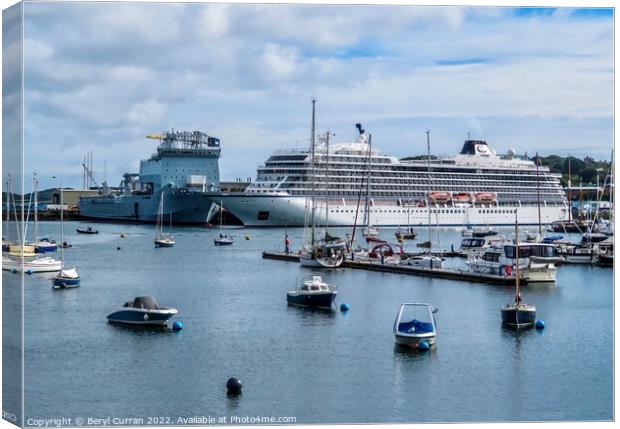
[(317, 367)]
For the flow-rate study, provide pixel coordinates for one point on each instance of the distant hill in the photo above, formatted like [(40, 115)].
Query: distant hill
[(45, 196)]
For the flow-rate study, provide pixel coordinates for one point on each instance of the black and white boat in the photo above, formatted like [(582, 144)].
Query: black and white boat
[(518, 314), (144, 311), (313, 292), (87, 230), (415, 323)]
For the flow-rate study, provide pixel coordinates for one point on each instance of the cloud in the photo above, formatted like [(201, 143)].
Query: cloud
[(147, 112), (109, 73)]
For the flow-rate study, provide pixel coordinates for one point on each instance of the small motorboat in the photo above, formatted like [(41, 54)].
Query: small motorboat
[(66, 279), (45, 245), (223, 240), (423, 261), (143, 310), (313, 293), (415, 322), (87, 230)]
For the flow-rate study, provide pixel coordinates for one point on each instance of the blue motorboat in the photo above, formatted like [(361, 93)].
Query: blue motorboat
[(415, 323), (144, 311), (313, 293), (45, 245)]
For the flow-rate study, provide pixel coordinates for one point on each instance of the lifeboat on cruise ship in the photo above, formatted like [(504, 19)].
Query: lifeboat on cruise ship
[(440, 197), (461, 197), (486, 197)]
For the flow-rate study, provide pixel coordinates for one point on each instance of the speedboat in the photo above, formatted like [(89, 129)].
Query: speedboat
[(313, 293), (66, 279), (223, 240), (87, 230), (415, 322), (143, 310)]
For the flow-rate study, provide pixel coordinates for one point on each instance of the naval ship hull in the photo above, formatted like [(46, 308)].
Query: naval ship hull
[(281, 210), (186, 208)]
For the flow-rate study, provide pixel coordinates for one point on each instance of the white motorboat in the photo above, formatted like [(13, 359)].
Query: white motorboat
[(423, 261), (500, 259)]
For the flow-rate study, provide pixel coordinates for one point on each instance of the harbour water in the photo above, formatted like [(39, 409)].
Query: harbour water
[(314, 366)]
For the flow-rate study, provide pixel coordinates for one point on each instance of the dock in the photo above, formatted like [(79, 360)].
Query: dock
[(440, 273)]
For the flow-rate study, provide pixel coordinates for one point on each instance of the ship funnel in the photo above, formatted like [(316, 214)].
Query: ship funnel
[(359, 128)]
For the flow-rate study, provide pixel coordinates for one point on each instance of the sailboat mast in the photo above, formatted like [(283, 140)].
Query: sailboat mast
[(313, 172), (570, 204), (538, 195), (326, 183), (517, 257), (428, 196), (8, 210), (62, 227), (368, 184), (221, 216), (35, 186)]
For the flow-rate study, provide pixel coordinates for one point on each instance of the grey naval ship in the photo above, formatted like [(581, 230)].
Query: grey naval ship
[(184, 168)]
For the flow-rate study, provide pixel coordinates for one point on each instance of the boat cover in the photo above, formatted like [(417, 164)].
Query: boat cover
[(146, 302)]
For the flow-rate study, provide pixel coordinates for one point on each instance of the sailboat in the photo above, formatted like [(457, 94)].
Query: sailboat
[(517, 314), (369, 230), (223, 239), (161, 239), (44, 244), (21, 248), (21, 251), (408, 233), (427, 260), (329, 251), (66, 278)]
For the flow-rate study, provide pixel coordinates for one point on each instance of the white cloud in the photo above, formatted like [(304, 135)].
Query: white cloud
[(147, 112), (142, 67)]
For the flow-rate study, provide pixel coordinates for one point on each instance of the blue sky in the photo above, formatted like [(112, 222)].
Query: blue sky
[(100, 76)]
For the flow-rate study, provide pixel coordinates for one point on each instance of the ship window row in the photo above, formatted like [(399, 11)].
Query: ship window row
[(532, 180)]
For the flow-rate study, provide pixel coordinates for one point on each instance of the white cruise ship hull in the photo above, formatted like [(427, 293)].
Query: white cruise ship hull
[(283, 210)]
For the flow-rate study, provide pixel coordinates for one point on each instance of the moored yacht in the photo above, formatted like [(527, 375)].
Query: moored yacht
[(501, 260)]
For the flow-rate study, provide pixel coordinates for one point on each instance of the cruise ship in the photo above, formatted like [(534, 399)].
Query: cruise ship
[(355, 184), (185, 167)]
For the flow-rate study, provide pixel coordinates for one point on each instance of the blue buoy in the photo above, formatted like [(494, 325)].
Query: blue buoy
[(177, 325), (540, 324), (118, 247), (423, 346), (14, 270), (233, 386), (344, 307), (28, 271)]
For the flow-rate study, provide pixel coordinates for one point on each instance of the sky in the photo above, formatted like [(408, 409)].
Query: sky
[(100, 76)]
